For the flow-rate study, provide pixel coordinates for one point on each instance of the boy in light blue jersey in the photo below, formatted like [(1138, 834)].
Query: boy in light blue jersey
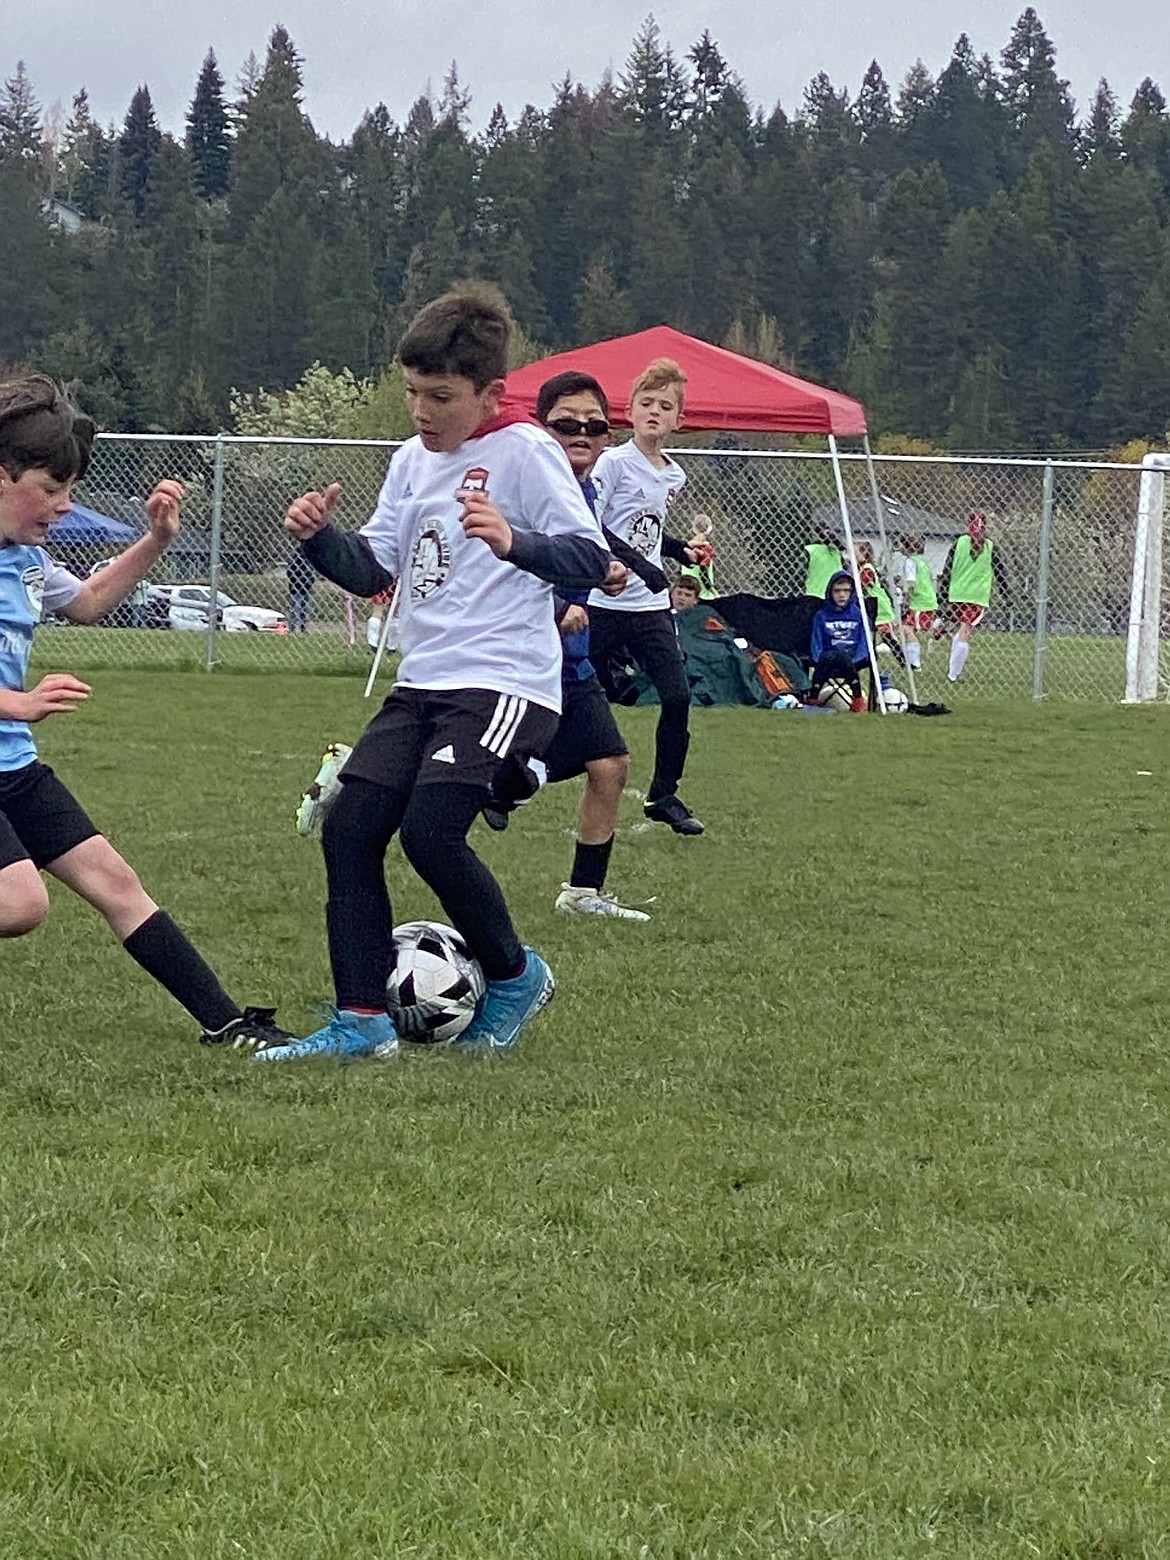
[(45, 444)]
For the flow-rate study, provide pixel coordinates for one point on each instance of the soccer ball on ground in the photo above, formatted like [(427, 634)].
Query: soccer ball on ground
[(896, 701), (435, 983)]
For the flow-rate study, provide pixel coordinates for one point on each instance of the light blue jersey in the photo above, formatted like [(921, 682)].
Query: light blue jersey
[(30, 582)]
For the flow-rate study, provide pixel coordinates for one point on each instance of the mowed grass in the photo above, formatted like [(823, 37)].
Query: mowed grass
[(1084, 667), (825, 1215)]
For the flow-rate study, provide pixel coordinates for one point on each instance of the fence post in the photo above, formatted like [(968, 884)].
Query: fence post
[(1042, 584), (213, 562)]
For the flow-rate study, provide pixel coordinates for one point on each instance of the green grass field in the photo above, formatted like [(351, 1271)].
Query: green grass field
[(1080, 667), (826, 1215)]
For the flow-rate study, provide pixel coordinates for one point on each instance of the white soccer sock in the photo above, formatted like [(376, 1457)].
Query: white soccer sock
[(959, 650), (914, 656)]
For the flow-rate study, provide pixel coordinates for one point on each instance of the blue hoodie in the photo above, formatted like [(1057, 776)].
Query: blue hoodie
[(839, 630)]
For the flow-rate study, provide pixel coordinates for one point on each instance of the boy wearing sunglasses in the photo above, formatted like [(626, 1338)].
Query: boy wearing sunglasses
[(574, 409)]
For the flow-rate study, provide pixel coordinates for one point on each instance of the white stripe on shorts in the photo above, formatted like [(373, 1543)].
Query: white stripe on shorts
[(504, 724)]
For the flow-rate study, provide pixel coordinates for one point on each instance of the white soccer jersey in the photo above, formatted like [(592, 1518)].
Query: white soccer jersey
[(632, 500), (470, 619)]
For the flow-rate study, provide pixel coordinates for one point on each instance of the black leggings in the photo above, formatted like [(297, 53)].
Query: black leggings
[(649, 638), (836, 666), (434, 821)]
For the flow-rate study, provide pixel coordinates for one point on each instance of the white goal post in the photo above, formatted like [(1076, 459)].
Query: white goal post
[(1145, 596)]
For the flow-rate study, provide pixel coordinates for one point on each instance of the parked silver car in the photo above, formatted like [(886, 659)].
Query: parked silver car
[(187, 607)]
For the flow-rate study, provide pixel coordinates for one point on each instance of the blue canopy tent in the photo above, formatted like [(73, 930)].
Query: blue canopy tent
[(82, 527)]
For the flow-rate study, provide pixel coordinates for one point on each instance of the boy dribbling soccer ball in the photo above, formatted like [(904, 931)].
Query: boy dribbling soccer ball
[(479, 515)]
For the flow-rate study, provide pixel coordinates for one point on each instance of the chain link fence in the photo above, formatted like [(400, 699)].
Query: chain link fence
[(1064, 531)]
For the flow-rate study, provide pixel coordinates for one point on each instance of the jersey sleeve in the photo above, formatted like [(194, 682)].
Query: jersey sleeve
[(60, 585), (605, 480), (551, 500), (381, 530)]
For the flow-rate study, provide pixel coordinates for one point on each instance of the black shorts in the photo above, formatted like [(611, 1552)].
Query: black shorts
[(423, 736), (40, 819), (587, 731)]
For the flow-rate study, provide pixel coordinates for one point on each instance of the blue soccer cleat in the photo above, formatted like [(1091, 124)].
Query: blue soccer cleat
[(507, 1006), (347, 1035)]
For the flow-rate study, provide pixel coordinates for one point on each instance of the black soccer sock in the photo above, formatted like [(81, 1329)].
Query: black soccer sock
[(166, 952), (590, 864), (434, 837), (358, 916)]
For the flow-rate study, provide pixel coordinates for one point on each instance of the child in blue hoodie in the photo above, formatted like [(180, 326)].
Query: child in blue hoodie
[(838, 641)]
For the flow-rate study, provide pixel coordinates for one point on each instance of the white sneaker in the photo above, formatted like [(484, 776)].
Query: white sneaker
[(324, 790), (591, 901)]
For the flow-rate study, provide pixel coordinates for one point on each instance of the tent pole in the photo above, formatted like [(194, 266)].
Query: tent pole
[(856, 573), (895, 589)]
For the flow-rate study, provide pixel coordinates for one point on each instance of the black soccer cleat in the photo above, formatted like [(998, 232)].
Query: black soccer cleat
[(669, 809), (254, 1030), (496, 815)]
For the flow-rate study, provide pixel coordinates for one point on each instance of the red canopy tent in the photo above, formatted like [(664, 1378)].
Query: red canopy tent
[(724, 390)]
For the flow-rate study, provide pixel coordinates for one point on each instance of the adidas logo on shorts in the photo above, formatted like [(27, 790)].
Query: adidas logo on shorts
[(445, 755)]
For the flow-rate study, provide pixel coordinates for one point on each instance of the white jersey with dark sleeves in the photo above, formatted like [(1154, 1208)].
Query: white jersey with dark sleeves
[(633, 496), (470, 619), (31, 584)]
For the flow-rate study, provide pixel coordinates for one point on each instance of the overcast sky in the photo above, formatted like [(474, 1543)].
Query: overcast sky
[(513, 51)]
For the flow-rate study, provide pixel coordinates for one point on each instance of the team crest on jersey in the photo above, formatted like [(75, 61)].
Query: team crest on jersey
[(430, 561), (475, 480), (645, 531), (33, 580)]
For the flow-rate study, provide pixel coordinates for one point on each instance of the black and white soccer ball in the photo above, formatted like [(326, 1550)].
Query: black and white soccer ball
[(435, 983)]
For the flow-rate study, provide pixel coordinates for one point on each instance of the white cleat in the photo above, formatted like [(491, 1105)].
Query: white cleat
[(324, 790), (591, 901)]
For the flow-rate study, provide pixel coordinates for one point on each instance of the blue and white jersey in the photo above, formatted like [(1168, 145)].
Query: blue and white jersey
[(30, 583)]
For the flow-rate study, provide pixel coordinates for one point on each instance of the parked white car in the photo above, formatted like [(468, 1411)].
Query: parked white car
[(187, 607)]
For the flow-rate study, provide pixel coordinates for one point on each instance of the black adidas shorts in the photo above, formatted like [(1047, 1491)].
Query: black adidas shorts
[(587, 731), (461, 736), (40, 819)]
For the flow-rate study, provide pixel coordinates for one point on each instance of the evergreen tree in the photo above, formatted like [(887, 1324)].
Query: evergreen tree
[(963, 129), (170, 232), (1138, 395), (653, 90), (373, 166), (138, 146), (20, 117), (916, 95), (1101, 136), (29, 275), (1145, 135), (208, 132), (908, 379), (276, 148), (195, 408), (455, 103), (603, 310), (1036, 100), (874, 115)]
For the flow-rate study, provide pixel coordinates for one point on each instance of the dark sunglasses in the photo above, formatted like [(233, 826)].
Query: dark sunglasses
[(592, 427)]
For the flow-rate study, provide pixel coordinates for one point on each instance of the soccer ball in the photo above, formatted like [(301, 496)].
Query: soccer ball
[(896, 701), (435, 983)]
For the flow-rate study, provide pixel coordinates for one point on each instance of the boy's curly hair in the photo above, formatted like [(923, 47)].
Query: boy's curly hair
[(42, 428), (662, 374)]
